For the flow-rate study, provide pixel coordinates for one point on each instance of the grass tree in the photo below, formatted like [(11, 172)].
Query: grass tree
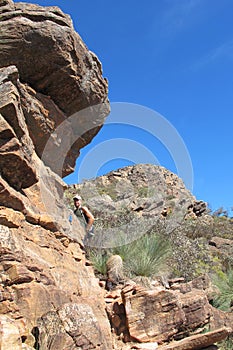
[(145, 256), (224, 283)]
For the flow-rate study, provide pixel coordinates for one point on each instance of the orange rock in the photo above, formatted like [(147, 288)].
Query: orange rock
[(199, 341)]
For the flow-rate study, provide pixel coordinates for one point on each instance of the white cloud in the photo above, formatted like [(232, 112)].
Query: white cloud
[(178, 14), (222, 51)]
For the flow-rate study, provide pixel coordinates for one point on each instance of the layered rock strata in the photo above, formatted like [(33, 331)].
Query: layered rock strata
[(62, 78), (177, 317), (49, 296)]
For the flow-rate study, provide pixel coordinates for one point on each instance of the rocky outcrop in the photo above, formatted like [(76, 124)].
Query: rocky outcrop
[(167, 315), (45, 279), (146, 189), (16, 146), (222, 247), (177, 317), (49, 295), (9, 334), (135, 198), (62, 78), (48, 283)]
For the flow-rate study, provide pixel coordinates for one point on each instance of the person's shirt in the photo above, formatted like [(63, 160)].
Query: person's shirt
[(85, 217), (80, 213)]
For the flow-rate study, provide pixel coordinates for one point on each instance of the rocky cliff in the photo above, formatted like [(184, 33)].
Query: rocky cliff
[(61, 78), (48, 292)]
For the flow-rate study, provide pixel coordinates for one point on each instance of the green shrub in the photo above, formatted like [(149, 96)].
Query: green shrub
[(224, 282), (170, 196), (122, 249), (112, 219), (109, 189), (190, 257), (190, 254), (146, 256), (143, 191), (98, 257)]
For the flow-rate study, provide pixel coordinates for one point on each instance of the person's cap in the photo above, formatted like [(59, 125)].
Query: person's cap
[(77, 197)]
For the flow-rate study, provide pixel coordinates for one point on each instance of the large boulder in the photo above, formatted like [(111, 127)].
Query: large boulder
[(154, 315), (62, 77), (50, 56), (176, 317)]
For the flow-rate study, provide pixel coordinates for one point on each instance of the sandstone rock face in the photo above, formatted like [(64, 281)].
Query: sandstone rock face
[(62, 76), (16, 146), (49, 296), (50, 55), (221, 318), (162, 315), (9, 334), (44, 284), (166, 318)]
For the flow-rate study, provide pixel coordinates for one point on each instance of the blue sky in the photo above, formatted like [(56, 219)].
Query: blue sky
[(174, 57)]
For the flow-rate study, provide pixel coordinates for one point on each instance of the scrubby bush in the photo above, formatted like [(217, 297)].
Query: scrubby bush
[(188, 239), (190, 258), (147, 256), (110, 219)]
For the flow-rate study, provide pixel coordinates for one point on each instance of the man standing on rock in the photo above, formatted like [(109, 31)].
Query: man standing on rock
[(85, 216)]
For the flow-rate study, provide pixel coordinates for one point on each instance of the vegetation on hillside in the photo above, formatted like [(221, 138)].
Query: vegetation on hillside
[(183, 251), (146, 256)]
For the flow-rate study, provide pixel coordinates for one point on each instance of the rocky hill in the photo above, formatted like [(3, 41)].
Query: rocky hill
[(53, 101), (135, 198), (144, 198)]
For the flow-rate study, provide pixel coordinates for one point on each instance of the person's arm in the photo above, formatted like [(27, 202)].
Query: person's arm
[(91, 218)]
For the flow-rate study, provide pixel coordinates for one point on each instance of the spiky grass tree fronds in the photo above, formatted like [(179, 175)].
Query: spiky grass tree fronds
[(98, 257), (122, 248), (224, 283), (147, 256)]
